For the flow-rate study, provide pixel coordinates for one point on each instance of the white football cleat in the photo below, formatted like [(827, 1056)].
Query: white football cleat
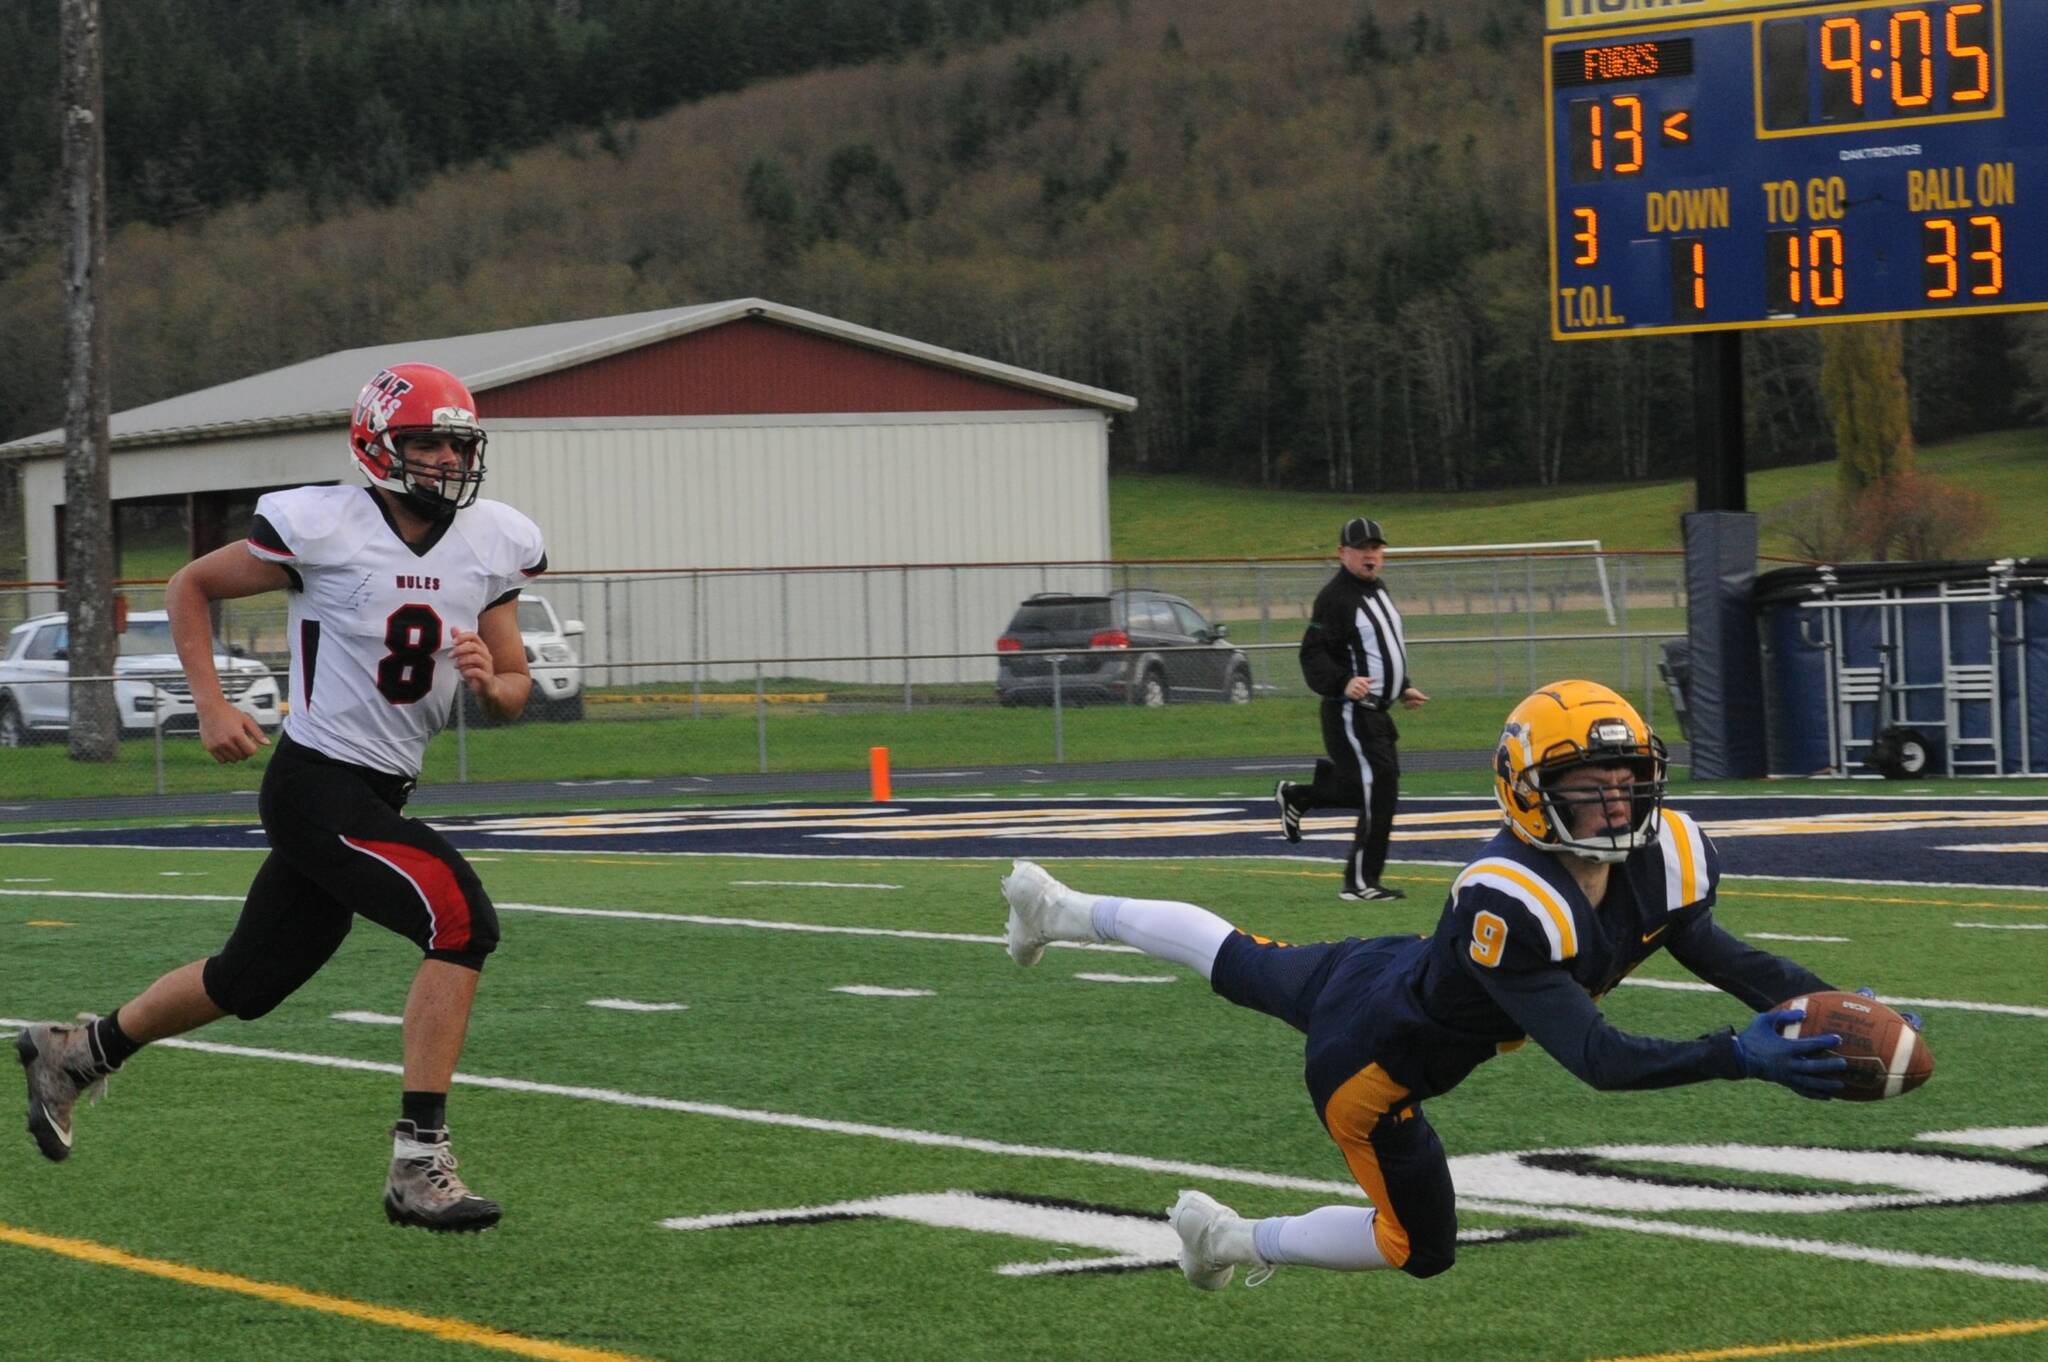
[(1213, 1240), (1036, 909), (57, 1060), (424, 1188)]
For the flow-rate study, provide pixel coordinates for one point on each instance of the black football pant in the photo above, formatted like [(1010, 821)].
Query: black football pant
[(1362, 772), (339, 847)]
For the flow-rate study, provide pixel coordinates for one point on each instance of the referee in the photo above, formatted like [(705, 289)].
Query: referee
[(1355, 656)]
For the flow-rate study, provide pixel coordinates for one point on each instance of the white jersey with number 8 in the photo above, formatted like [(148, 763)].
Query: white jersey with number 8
[(373, 618)]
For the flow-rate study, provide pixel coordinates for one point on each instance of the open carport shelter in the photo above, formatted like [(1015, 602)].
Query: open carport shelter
[(727, 436)]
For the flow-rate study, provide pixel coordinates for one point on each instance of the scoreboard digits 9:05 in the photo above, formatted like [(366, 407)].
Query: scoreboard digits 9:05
[(1717, 164)]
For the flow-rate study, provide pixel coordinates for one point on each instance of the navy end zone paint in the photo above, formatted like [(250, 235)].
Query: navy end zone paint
[(1991, 842)]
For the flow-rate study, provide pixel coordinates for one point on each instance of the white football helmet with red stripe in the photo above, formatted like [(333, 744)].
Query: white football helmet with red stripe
[(418, 399)]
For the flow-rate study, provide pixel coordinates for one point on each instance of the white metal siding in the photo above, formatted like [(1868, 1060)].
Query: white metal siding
[(42, 487), (742, 492), (287, 460), (753, 492)]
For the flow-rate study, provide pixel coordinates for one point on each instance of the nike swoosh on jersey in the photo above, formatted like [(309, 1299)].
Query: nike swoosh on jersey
[(1648, 937)]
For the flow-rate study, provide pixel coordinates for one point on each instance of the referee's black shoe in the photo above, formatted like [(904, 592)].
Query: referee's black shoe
[(1370, 893), (1290, 815)]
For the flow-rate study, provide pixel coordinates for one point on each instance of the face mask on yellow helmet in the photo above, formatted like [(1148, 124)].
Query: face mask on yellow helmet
[(1559, 727)]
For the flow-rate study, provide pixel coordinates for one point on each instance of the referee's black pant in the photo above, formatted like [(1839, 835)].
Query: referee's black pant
[(1362, 772)]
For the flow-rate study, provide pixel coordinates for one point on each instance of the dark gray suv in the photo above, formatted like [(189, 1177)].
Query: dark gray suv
[(1157, 648)]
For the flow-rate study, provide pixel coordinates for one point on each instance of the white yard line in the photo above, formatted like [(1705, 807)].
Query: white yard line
[(1786, 936), (104, 894), (1817, 1248), (808, 884), (1994, 1137), (1892, 884), (2038, 889), (968, 938), (1138, 1163), (1888, 999), (768, 925)]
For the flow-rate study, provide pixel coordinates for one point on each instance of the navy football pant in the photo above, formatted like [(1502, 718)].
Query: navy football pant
[(1393, 1152)]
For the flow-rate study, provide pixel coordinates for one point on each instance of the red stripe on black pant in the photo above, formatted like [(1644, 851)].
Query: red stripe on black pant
[(341, 848)]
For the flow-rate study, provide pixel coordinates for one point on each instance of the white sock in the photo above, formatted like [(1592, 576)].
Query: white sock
[(402, 1148), (1179, 932), (1336, 1237)]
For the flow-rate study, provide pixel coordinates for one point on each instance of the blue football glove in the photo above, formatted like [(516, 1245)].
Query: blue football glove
[(1912, 1018), (1776, 1058)]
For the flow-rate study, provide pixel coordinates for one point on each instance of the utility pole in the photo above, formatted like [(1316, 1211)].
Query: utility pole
[(88, 511)]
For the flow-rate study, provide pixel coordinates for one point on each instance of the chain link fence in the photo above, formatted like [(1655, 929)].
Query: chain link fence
[(690, 675)]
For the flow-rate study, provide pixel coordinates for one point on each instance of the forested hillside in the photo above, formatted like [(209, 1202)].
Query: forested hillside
[(1307, 234), (360, 101)]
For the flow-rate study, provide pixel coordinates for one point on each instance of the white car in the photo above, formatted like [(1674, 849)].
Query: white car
[(557, 677), (552, 661), (35, 697)]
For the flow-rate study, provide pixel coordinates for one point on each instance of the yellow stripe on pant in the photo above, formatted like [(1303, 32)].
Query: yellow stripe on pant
[(1353, 1113)]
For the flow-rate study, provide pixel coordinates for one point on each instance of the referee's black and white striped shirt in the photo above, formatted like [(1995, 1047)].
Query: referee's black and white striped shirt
[(1355, 630)]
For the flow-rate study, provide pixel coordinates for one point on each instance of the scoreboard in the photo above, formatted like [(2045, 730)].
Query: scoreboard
[(1719, 164)]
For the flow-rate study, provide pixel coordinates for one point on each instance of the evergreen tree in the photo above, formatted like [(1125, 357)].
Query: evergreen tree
[(771, 202), (1863, 387)]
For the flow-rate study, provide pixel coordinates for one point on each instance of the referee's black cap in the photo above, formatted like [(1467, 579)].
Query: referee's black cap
[(1358, 533)]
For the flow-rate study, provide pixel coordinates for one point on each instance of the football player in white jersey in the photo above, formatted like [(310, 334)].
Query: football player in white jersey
[(401, 592), (1588, 877)]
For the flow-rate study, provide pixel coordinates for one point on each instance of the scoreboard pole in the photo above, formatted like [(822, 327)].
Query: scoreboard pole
[(1720, 451)]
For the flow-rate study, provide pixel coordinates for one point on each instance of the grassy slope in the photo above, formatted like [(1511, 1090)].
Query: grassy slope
[(1184, 517)]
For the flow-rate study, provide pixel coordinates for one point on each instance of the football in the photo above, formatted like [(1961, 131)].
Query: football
[(1886, 1056)]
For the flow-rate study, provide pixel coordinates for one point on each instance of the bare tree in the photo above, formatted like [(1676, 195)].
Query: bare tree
[(1437, 335), (88, 512)]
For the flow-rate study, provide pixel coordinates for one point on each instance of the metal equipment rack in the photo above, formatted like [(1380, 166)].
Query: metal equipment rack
[(1891, 707)]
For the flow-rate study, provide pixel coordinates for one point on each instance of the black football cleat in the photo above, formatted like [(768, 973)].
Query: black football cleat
[(1290, 816)]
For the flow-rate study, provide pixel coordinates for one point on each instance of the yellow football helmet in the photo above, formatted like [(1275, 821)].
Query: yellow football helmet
[(1567, 724)]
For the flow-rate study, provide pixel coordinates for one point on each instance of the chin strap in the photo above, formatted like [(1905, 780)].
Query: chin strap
[(433, 508)]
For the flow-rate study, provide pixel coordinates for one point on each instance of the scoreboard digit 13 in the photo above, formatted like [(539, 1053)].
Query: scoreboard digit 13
[(1717, 164)]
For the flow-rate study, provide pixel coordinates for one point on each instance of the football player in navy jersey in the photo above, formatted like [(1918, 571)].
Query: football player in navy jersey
[(401, 592), (1589, 876)]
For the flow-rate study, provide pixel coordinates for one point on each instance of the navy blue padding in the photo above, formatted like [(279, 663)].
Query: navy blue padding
[(1727, 696)]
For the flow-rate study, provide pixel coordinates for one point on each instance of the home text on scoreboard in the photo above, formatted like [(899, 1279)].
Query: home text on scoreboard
[(1718, 164)]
